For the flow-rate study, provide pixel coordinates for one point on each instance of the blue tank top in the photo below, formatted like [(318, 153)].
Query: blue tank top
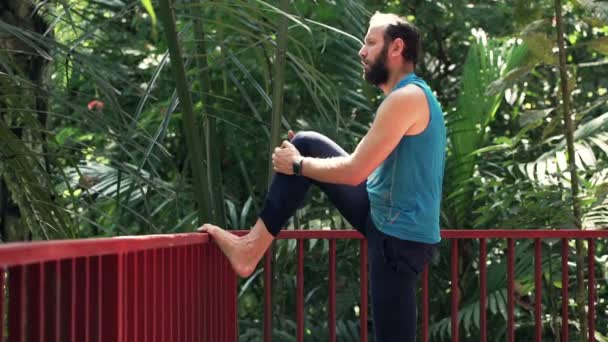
[(405, 190)]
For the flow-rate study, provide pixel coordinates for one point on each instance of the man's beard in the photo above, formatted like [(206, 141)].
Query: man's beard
[(378, 72)]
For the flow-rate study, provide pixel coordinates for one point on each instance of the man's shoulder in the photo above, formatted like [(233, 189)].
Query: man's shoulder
[(410, 96)]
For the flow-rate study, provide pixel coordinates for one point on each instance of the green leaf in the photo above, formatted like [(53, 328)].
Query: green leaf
[(150, 9)]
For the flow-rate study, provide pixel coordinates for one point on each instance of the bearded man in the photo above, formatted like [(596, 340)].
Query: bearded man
[(389, 188)]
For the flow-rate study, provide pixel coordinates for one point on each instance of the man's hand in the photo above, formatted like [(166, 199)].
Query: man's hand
[(284, 157), (290, 135)]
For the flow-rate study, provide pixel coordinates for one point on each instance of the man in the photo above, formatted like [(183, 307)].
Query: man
[(389, 188)]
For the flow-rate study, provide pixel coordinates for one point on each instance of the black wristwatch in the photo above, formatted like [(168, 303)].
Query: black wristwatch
[(297, 167)]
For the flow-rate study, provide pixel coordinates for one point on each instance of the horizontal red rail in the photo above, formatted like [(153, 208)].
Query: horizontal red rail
[(524, 234), (22, 253), (453, 234)]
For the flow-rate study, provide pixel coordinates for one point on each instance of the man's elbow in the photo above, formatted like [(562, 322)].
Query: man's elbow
[(356, 178), (356, 172)]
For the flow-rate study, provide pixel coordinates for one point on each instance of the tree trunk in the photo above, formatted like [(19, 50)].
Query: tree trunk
[(212, 140), (26, 63), (569, 125), (277, 85)]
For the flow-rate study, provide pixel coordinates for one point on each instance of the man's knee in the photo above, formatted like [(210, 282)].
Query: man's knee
[(305, 141)]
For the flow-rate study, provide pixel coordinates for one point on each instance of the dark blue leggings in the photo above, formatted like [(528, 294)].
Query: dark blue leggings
[(394, 264)]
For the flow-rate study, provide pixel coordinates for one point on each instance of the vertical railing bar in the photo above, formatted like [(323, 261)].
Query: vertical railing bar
[(65, 301), (300, 292), (455, 289), (143, 262), (223, 285), (483, 272), (73, 300), (41, 301), (51, 304), (141, 294), (130, 286), (213, 299), (17, 304), (192, 301), (134, 325), (538, 286), (363, 293), (33, 306), (87, 298), (2, 293), (591, 289), (94, 297), (174, 294), (510, 290), (199, 291), (113, 268), (565, 289), (80, 303), (268, 295), (425, 304), (99, 299), (154, 265), (180, 293), (164, 295), (332, 290), (121, 291)]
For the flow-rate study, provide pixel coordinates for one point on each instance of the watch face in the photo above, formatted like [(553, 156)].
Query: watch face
[(297, 168)]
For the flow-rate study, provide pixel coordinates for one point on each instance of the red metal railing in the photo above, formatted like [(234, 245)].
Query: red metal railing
[(454, 236), (181, 288), (150, 288), (511, 236), (300, 236)]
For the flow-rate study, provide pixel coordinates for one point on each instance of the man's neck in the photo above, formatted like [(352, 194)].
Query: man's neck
[(394, 78)]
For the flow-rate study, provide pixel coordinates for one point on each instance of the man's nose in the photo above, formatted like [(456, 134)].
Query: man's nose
[(363, 52)]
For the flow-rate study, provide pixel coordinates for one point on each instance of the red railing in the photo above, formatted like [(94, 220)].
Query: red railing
[(180, 287), (511, 236), (149, 288), (454, 236)]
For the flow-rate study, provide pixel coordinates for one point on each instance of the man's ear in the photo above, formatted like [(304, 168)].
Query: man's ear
[(398, 46)]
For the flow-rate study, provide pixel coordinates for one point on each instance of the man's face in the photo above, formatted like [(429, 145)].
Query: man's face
[(373, 57)]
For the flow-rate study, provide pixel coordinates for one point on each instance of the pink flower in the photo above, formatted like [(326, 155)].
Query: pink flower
[(95, 105)]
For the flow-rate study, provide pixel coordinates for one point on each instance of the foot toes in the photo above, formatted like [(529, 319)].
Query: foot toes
[(204, 228)]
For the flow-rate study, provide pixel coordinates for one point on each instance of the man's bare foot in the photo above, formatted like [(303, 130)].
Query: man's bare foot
[(244, 253)]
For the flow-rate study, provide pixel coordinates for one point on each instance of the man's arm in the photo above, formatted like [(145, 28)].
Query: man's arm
[(401, 110)]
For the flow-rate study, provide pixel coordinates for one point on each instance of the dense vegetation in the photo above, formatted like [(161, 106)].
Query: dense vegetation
[(108, 128)]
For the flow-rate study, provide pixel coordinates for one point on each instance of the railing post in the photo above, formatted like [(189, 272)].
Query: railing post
[(35, 291), (565, 297), (268, 295), (112, 310), (538, 286), (591, 290), (2, 292), (16, 302), (511, 290), (483, 271), (363, 294), (300, 292), (332, 290), (455, 289)]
